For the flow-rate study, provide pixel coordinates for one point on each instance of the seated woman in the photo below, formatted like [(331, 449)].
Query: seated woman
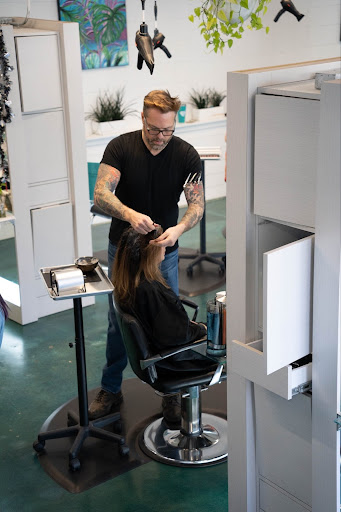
[(141, 291)]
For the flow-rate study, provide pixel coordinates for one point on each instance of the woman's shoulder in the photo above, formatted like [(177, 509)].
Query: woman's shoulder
[(149, 288)]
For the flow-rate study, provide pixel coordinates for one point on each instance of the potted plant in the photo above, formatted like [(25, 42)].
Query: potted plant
[(206, 104), (109, 114)]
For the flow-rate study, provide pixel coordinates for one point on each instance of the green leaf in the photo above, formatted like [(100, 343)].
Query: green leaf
[(241, 19), (265, 10), (230, 43), (191, 18), (267, 30), (241, 29), (222, 16), (244, 3), (197, 12), (233, 2), (210, 24)]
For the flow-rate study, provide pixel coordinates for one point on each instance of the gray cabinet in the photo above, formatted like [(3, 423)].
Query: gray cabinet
[(283, 255)]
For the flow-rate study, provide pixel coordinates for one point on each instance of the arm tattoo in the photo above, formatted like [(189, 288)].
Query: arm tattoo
[(104, 197), (194, 194)]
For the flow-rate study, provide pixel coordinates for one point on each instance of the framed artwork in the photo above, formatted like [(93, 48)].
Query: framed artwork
[(102, 30)]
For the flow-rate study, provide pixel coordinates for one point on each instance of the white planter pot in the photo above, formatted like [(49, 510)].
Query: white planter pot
[(206, 114), (109, 127), (116, 127)]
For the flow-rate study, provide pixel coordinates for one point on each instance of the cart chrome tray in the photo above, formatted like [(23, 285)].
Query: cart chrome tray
[(96, 282)]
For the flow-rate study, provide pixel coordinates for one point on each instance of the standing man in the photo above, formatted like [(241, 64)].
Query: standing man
[(139, 183)]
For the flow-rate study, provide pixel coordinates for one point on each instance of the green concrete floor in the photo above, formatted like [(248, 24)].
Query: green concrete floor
[(38, 374)]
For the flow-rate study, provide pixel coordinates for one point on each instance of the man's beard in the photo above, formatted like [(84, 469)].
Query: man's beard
[(157, 147)]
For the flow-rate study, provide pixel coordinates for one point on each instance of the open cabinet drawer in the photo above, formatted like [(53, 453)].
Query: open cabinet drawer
[(248, 361), (287, 286)]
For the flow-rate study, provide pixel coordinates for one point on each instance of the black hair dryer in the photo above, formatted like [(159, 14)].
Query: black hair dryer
[(159, 38), (144, 45), (288, 6)]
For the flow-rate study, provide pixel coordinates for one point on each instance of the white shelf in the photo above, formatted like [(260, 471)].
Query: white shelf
[(95, 140), (304, 89), (9, 218)]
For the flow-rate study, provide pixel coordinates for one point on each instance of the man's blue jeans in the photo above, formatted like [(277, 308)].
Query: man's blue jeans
[(115, 351)]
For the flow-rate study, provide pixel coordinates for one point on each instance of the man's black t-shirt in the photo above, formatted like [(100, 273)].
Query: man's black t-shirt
[(150, 184)]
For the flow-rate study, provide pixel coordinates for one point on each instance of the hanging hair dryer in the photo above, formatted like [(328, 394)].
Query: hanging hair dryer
[(144, 45), (159, 38), (288, 6)]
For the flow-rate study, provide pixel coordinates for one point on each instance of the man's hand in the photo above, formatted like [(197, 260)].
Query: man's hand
[(140, 222), (169, 237)]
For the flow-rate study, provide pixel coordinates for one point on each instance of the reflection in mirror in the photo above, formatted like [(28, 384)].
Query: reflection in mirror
[(9, 283)]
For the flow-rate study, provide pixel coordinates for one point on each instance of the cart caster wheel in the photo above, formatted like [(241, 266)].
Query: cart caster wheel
[(124, 450), (189, 271), (74, 465), (39, 446)]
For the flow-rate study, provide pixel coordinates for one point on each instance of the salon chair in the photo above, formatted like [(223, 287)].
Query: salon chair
[(202, 438)]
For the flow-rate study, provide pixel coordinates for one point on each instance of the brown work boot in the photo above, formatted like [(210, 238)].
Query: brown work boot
[(171, 409), (104, 403)]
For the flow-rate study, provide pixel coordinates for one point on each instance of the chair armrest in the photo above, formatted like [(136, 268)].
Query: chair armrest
[(163, 354), (190, 304)]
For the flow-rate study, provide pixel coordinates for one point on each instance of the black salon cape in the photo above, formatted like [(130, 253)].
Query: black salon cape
[(166, 324)]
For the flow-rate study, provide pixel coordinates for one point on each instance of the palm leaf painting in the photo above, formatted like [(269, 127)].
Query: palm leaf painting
[(102, 30)]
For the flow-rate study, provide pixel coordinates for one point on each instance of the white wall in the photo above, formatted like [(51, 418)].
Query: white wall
[(316, 36)]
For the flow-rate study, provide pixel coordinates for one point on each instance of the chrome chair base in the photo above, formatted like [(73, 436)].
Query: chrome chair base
[(178, 449)]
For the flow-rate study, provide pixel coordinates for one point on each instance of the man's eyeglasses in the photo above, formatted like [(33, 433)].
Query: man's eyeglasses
[(155, 131)]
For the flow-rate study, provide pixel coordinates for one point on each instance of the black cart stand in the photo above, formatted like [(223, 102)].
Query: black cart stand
[(202, 255), (95, 282)]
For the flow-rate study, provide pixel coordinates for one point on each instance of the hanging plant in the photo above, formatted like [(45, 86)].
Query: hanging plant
[(221, 22)]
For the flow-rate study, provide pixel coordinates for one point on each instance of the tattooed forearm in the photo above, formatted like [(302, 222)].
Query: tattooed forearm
[(104, 197), (194, 194)]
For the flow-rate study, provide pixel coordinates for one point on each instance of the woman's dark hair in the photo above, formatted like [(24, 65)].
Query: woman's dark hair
[(4, 307), (135, 258)]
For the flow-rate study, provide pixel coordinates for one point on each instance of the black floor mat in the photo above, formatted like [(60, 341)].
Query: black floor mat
[(100, 460)]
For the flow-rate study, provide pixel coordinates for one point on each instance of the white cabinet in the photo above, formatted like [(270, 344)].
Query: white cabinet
[(51, 227), (39, 71), (283, 440), (285, 296), (286, 142), (46, 146), (287, 303), (47, 159), (283, 284)]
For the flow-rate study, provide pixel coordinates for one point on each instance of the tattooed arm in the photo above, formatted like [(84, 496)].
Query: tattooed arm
[(194, 193), (104, 197)]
